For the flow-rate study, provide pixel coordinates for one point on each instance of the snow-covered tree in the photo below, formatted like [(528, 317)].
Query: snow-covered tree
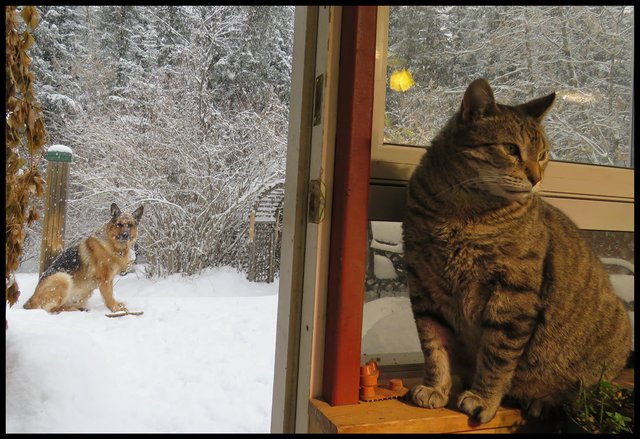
[(183, 109), (585, 53), (54, 65)]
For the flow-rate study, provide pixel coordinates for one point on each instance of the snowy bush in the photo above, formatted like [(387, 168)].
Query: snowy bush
[(183, 109)]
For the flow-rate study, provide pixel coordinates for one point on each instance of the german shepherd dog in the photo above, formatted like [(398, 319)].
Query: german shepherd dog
[(93, 263)]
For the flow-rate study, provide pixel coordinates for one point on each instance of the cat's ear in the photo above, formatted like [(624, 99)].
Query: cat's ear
[(538, 108), (478, 101)]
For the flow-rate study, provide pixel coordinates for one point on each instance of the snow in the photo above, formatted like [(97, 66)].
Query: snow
[(389, 233), (388, 326), (393, 248), (383, 267), (200, 358), (386, 236), (60, 148)]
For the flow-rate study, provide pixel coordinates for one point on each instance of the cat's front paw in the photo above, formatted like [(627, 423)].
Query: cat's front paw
[(536, 409), (428, 397), (478, 408)]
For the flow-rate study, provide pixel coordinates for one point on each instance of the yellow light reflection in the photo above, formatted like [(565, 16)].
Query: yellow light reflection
[(401, 80)]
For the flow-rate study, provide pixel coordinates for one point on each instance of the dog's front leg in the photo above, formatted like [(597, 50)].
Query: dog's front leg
[(106, 289)]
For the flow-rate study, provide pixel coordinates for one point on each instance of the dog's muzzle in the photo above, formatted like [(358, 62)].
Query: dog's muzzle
[(124, 236)]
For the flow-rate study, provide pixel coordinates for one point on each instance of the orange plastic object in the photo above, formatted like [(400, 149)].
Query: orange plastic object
[(371, 391)]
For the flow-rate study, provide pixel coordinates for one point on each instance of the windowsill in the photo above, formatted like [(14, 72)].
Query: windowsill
[(397, 416)]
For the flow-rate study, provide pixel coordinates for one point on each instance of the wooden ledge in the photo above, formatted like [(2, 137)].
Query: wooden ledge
[(396, 416)]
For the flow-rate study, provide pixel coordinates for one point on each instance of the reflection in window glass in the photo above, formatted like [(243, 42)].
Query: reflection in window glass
[(584, 53), (388, 329), (389, 335)]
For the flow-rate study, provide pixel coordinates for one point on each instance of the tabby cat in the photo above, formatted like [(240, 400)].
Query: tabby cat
[(505, 292)]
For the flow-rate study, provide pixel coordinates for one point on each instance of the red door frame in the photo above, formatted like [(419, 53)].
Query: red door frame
[(345, 295)]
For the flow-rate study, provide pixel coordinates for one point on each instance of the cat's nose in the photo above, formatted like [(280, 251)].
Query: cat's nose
[(534, 174), (534, 179)]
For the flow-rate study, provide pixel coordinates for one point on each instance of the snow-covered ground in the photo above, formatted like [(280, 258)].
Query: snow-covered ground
[(200, 359)]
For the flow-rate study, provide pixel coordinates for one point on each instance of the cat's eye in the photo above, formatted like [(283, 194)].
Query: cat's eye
[(512, 149), (542, 156)]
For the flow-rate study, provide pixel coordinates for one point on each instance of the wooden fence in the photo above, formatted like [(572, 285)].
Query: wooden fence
[(265, 234)]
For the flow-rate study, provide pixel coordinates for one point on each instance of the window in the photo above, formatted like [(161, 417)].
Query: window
[(389, 335), (584, 53)]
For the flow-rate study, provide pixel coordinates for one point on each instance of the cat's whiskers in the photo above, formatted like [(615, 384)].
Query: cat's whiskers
[(469, 181)]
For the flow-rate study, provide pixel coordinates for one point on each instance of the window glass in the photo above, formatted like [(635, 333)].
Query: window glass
[(583, 53), (389, 335)]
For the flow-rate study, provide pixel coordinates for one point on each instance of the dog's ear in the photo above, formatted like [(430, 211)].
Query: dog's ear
[(115, 212), (137, 214)]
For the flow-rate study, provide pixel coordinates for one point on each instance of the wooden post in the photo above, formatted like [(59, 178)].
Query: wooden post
[(55, 206), (273, 246), (252, 246), (271, 255), (349, 216)]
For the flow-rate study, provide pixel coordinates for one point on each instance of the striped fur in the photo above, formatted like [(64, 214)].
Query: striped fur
[(504, 291)]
